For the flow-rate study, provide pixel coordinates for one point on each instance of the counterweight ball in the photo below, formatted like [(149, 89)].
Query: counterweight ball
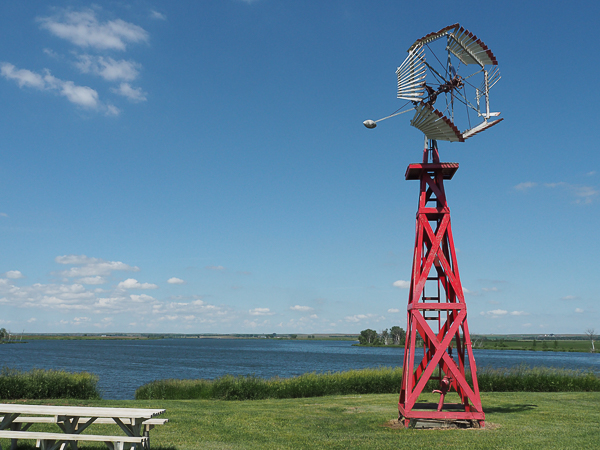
[(369, 124)]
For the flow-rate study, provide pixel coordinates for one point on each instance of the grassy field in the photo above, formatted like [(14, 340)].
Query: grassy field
[(541, 345), (514, 421), (564, 345)]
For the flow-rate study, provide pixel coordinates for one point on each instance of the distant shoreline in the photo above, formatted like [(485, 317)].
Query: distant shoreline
[(149, 336)]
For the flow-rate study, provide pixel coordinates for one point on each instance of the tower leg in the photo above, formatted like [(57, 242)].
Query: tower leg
[(437, 312)]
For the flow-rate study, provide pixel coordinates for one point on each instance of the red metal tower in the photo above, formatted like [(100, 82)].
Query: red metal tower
[(437, 311)]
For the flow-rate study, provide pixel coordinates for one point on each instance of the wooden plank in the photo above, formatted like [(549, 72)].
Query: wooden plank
[(79, 411), (38, 435), (101, 420)]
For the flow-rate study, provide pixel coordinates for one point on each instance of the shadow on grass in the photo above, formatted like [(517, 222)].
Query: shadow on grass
[(509, 409), (25, 446)]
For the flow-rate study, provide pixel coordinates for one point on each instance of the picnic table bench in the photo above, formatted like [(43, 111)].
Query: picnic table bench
[(136, 423), (53, 441)]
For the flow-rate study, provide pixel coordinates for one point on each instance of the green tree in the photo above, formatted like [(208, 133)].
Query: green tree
[(3, 333), (398, 335), (368, 336), (384, 336)]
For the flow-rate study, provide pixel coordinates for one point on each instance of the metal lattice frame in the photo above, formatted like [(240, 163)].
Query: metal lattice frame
[(435, 262)]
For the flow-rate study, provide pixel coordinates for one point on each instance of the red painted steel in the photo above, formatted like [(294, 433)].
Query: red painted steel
[(435, 269)]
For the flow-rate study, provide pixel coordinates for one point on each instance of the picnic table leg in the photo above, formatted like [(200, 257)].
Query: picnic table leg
[(146, 435), (133, 430), (13, 442)]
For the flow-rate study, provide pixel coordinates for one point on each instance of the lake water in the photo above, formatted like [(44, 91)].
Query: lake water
[(125, 365)]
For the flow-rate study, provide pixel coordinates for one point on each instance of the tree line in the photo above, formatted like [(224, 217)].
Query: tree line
[(394, 336)]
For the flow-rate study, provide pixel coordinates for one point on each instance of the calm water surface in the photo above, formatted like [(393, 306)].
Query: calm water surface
[(123, 366)]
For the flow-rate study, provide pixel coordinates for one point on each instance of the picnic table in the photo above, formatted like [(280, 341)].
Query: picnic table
[(72, 420)]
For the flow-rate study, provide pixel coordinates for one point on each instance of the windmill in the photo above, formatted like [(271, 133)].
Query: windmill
[(446, 80)]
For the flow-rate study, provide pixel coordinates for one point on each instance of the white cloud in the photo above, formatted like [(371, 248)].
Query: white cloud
[(157, 15), (83, 96), (261, 312), (23, 77), (132, 94), (112, 110), (75, 259), (142, 298), (495, 314), (393, 310), (81, 320), (91, 267), (569, 297), (203, 312), (402, 284), (525, 186), (74, 302), (254, 323), (301, 308), (578, 310), (582, 194), (3, 214), (109, 68), (14, 274), (175, 280), (83, 29), (80, 95), (92, 280), (132, 283), (314, 316), (519, 313), (359, 317), (57, 297)]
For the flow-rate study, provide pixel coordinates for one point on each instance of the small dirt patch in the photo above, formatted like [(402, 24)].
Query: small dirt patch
[(398, 425)]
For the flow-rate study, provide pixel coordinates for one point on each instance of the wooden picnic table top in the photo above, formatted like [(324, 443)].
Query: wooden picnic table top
[(79, 411)]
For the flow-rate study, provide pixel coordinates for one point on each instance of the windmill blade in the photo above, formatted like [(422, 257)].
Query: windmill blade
[(411, 76), (470, 49), (435, 125), (433, 36)]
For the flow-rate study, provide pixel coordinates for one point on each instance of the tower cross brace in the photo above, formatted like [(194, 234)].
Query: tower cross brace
[(437, 312)]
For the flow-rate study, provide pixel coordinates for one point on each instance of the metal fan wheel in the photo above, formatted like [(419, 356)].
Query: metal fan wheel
[(447, 76)]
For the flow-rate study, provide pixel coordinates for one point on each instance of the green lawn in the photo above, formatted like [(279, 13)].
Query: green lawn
[(514, 420), (544, 345)]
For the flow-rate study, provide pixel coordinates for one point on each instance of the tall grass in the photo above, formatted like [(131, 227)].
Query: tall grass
[(42, 384), (537, 379), (366, 381)]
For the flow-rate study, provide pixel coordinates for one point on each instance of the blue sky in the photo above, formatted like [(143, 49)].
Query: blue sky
[(202, 167)]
